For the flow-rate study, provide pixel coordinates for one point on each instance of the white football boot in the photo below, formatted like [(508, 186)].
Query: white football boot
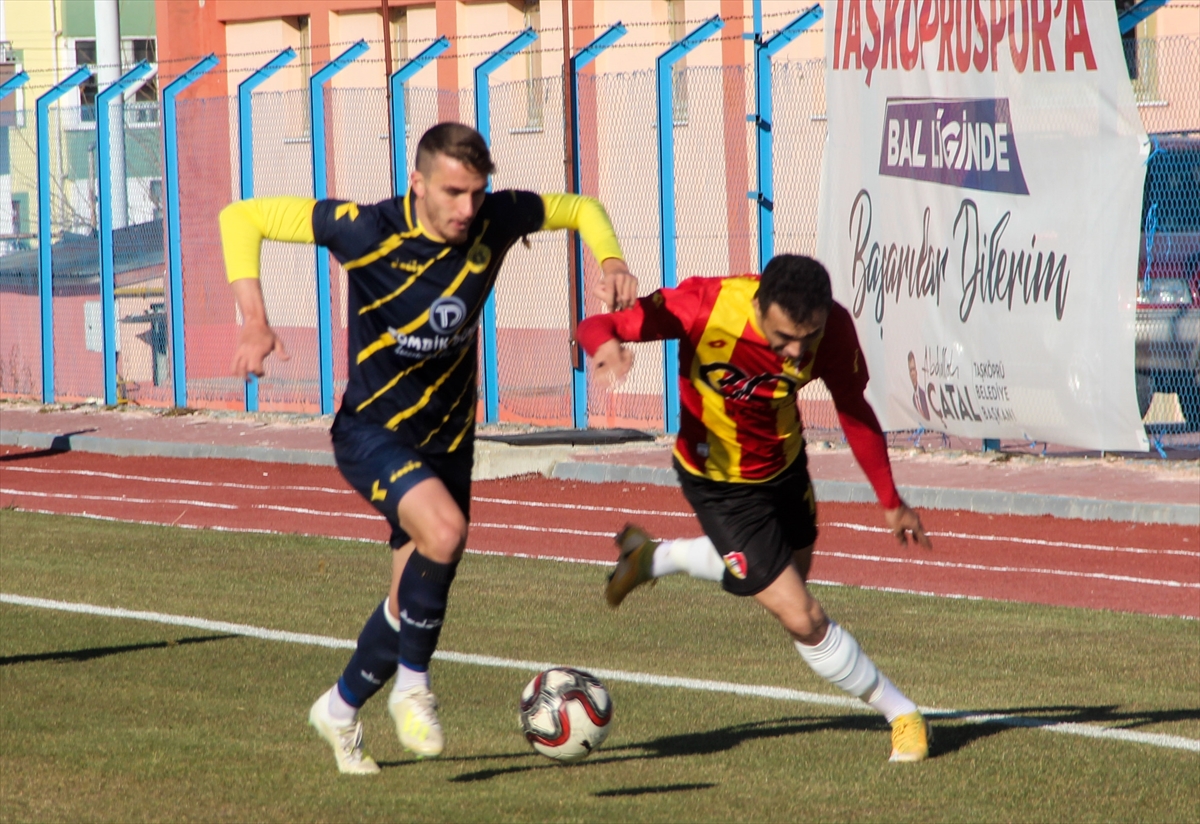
[(346, 739), (415, 712)]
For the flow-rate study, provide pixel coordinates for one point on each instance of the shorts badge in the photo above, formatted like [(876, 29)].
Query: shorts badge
[(736, 564)]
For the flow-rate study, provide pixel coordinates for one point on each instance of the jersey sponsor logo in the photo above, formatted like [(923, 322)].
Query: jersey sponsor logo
[(447, 314), (735, 384), (415, 345), (735, 562)]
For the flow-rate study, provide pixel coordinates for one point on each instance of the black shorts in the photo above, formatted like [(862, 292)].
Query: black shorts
[(755, 526), (383, 468)]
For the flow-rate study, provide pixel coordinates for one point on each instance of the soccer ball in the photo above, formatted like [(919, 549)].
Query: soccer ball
[(565, 713)]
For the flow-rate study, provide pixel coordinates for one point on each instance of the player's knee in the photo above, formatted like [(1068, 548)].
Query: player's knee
[(809, 626), (444, 540)]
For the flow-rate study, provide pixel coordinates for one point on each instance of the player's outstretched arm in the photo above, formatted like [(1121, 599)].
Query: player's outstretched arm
[(617, 287), (244, 225)]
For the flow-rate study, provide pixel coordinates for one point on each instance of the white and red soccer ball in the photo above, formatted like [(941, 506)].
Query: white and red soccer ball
[(565, 713)]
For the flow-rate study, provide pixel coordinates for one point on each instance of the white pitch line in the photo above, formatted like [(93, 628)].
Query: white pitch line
[(114, 499), (92, 473), (1161, 740)]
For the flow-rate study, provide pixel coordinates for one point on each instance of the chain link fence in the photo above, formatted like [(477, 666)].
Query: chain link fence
[(716, 231)]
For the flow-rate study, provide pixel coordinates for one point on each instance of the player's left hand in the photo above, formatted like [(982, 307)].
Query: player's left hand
[(617, 287), (902, 521)]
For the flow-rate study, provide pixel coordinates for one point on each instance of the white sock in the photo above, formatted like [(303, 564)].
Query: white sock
[(339, 710), (840, 661), (407, 678), (695, 556)]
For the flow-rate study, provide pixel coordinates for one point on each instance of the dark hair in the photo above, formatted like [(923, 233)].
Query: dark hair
[(796, 284), (455, 140)]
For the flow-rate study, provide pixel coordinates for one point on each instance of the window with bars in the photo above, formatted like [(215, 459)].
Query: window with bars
[(676, 30)]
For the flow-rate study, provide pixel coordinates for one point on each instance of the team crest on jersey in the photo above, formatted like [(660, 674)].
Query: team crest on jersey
[(735, 384), (735, 562), (478, 257), (447, 314)]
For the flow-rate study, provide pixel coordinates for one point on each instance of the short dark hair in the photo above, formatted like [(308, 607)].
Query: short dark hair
[(796, 284), (455, 140)]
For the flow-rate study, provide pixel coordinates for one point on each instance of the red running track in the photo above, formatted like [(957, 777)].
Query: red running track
[(1144, 568)]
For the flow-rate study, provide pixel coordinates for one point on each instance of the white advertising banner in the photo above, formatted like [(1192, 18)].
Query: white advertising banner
[(980, 206)]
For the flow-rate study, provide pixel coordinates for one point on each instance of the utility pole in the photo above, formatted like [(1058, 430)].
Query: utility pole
[(108, 71), (387, 83)]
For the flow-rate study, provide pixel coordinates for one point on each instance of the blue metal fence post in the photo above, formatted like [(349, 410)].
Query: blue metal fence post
[(579, 389), (174, 249), (246, 158), (13, 83), (764, 143), (483, 124), (45, 260), (400, 116), (316, 98), (666, 195), (108, 298)]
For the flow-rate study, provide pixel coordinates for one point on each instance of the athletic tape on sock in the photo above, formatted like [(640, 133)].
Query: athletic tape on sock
[(840, 661)]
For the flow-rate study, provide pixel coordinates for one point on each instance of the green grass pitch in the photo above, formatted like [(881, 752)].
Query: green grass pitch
[(105, 719)]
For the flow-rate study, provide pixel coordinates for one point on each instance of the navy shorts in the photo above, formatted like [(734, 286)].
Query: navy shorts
[(757, 527), (383, 468)]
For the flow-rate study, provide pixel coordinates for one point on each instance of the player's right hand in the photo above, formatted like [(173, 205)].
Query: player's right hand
[(255, 343), (611, 363), (903, 521)]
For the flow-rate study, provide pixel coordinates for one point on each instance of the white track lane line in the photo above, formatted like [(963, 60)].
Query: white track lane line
[(878, 559), (114, 499), (593, 534), (555, 558), (1176, 742), (176, 481), (592, 508)]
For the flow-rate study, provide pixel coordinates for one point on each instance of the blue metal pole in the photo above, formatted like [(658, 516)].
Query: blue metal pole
[(666, 195), (400, 116), (174, 247), (45, 277), (13, 83), (764, 143), (316, 99), (246, 158), (579, 389), (108, 299), (483, 124)]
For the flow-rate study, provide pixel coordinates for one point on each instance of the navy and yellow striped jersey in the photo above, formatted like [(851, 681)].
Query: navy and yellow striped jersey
[(414, 309)]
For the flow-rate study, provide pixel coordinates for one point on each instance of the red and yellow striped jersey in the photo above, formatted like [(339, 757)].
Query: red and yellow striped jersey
[(739, 421)]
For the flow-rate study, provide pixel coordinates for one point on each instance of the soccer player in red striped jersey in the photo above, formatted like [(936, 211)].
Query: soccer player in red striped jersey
[(746, 346)]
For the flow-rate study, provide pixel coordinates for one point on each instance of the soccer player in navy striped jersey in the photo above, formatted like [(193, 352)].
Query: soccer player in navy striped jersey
[(419, 269)]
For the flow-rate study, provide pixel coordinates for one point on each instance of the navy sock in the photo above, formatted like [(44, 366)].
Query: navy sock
[(424, 590), (373, 661)]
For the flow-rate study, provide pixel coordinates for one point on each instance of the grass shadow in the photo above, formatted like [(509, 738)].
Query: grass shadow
[(80, 655), (708, 742), (662, 788)]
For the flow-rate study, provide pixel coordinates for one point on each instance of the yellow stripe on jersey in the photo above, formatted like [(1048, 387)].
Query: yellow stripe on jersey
[(391, 383), (387, 245), (725, 326), (350, 208), (466, 385), (420, 270), (454, 444), (398, 418)]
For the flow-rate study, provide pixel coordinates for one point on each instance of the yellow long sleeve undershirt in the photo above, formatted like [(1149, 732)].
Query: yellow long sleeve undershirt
[(246, 223)]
